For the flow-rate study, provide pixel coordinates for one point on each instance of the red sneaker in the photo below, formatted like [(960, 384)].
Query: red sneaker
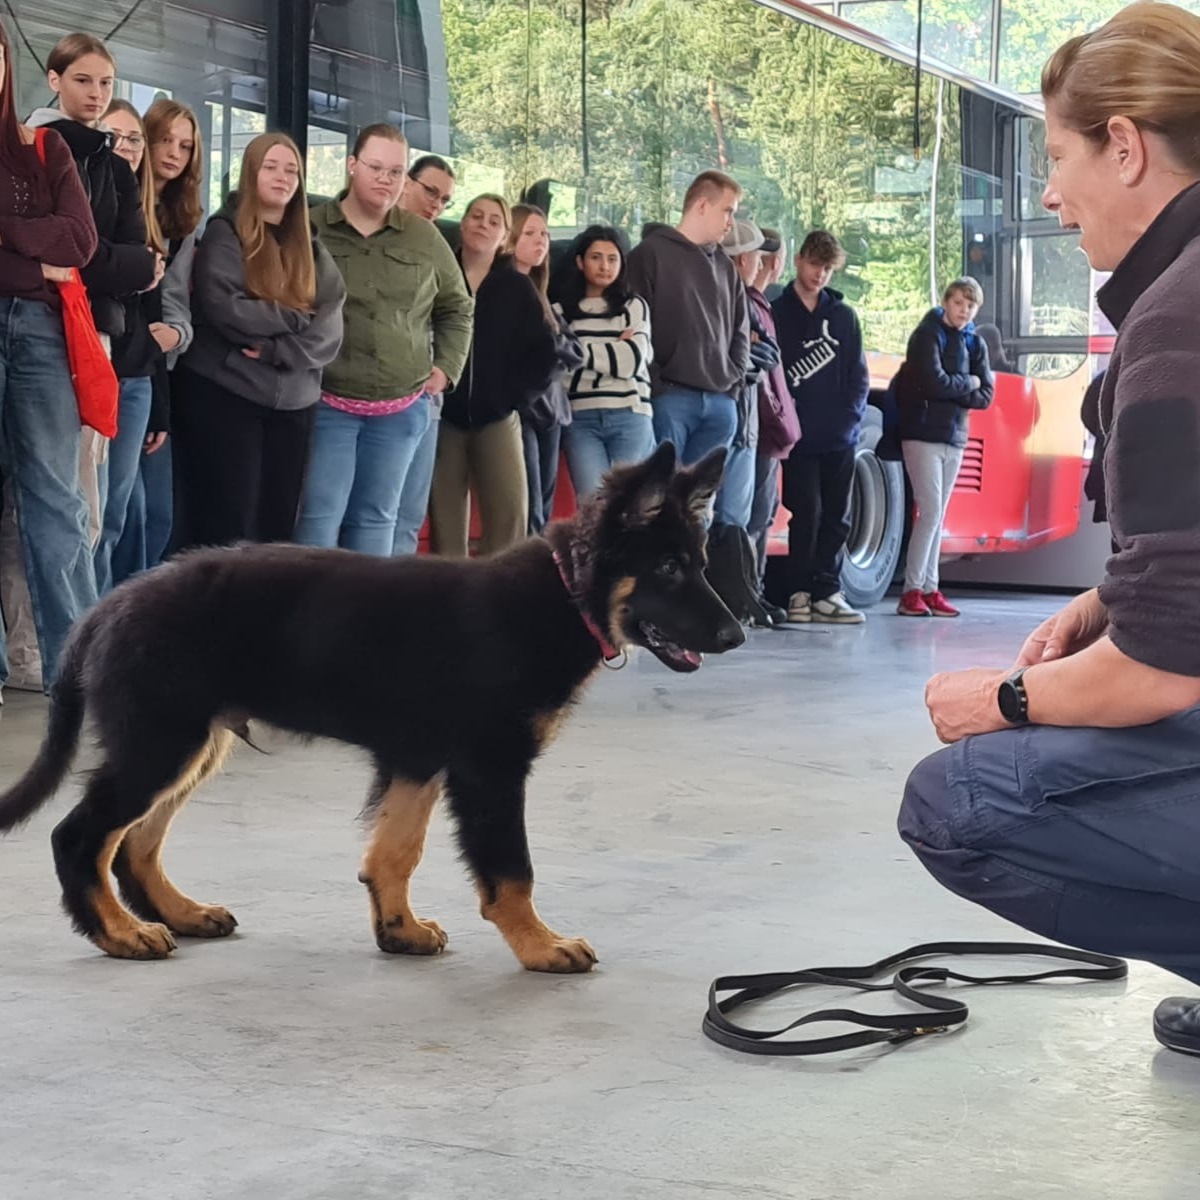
[(912, 604), (939, 605)]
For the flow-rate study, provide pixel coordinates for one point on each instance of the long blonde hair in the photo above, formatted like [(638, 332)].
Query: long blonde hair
[(539, 275), (145, 178), (1143, 64), (281, 269), (179, 208)]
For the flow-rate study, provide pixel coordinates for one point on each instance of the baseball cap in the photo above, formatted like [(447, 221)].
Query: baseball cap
[(770, 244), (742, 238)]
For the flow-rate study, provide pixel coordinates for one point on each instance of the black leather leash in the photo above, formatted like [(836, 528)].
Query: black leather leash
[(942, 1013)]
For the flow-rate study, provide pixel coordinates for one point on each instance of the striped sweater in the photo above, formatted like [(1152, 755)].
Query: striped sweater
[(616, 370)]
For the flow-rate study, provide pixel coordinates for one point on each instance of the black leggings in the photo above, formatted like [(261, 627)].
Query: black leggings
[(240, 465)]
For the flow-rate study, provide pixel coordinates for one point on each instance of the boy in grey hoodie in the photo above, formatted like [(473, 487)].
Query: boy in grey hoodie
[(699, 320)]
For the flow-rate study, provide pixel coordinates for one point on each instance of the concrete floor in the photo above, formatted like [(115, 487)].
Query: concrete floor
[(738, 819)]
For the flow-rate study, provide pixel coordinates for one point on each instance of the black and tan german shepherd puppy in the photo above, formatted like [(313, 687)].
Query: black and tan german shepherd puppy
[(451, 674)]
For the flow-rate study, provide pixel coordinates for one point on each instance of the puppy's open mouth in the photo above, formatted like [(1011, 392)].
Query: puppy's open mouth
[(667, 651)]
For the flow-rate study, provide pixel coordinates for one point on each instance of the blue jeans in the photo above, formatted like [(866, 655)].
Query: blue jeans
[(39, 452), (764, 507), (696, 422), (150, 517), (414, 495), (355, 477), (119, 475), (599, 438), (1086, 836), (735, 496), (541, 472)]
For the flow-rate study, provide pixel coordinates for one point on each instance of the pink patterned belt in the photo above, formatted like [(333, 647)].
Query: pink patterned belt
[(370, 408)]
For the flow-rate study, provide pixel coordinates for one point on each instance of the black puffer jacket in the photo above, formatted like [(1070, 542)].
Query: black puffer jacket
[(934, 391), (123, 265)]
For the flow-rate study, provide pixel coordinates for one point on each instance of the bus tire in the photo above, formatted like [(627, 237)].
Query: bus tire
[(877, 519)]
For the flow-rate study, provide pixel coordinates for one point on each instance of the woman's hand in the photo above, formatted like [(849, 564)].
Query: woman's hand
[(167, 336), (57, 274), (153, 442), (1070, 630), (160, 269)]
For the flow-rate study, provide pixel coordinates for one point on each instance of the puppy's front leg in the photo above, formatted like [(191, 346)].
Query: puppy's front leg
[(401, 808), (489, 806)]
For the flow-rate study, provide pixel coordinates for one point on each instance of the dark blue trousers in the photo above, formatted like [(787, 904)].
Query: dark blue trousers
[(1087, 836)]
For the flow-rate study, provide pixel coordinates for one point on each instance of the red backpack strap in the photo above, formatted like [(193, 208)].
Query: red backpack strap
[(39, 140)]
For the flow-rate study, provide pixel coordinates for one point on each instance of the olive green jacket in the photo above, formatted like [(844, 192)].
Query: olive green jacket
[(402, 286)]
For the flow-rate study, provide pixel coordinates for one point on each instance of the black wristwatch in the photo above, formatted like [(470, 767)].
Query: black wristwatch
[(1014, 699)]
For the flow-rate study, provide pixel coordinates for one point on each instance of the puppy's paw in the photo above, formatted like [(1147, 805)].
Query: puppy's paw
[(140, 940), (204, 921), (561, 955), (410, 936)]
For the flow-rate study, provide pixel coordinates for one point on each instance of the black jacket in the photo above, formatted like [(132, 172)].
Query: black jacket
[(825, 368), (514, 353), (123, 264), (934, 392)]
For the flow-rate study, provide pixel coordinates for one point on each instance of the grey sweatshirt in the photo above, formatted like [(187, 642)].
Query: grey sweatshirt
[(1150, 417), (295, 346), (176, 289), (699, 319)]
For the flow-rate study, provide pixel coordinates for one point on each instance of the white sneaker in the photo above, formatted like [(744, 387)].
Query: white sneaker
[(834, 610), (800, 608), (21, 682)]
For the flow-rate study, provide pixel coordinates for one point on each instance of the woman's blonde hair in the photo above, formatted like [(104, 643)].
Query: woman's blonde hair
[(491, 198), (179, 207), (281, 269), (539, 275), (1143, 64), (145, 178)]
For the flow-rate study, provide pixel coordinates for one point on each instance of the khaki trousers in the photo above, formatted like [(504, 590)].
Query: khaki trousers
[(489, 462)]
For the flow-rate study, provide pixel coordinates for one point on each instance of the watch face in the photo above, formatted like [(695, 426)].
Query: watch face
[(1010, 702)]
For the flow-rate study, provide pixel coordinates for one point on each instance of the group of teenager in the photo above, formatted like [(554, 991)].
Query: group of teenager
[(335, 375)]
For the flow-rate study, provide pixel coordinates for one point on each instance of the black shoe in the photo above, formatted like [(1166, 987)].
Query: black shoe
[(1177, 1024), (778, 615)]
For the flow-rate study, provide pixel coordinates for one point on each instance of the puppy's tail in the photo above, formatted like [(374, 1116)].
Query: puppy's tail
[(54, 758)]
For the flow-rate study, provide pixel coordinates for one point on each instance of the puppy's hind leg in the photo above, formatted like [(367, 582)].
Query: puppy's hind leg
[(120, 793), (138, 863), (401, 809), (488, 802)]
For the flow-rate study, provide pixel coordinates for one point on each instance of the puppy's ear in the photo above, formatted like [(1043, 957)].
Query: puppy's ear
[(698, 485), (647, 487)]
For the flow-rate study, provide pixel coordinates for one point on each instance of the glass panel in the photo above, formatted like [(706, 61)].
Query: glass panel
[(955, 32), (373, 60), (1062, 290), (233, 129), (1033, 170), (212, 57), (326, 166)]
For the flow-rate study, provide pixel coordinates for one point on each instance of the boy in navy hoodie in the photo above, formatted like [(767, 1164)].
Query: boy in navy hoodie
[(826, 372)]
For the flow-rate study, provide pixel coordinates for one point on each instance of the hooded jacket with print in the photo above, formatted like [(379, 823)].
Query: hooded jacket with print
[(825, 368)]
